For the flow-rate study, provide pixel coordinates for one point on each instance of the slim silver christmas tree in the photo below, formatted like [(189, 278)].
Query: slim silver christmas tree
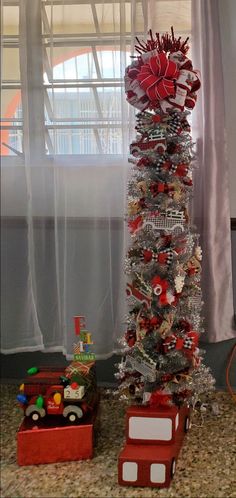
[(162, 365)]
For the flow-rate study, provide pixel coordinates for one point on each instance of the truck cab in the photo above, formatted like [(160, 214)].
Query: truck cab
[(54, 400)]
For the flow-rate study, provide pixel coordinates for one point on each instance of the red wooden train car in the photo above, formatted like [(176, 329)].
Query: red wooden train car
[(154, 438)]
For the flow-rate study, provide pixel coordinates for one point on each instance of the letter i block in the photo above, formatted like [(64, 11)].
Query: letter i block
[(146, 425)]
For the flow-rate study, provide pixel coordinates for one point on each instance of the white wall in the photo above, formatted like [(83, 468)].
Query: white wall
[(228, 36)]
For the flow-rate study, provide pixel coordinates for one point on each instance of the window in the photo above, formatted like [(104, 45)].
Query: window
[(63, 67), (74, 61)]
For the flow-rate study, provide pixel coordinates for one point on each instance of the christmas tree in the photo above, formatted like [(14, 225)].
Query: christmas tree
[(162, 363)]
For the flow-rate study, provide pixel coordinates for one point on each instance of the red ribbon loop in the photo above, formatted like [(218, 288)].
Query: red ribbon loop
[(161, 80), (157, 77)]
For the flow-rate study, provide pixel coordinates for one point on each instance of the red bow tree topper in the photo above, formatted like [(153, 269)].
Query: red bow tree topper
[(157, 77)]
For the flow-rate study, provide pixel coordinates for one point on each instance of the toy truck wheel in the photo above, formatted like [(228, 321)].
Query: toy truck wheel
[(73, 413), (149, 227), (160, 149), (34, 412), (173, 467), (72, 417), (35, 416), (177, 229), (134, 151)]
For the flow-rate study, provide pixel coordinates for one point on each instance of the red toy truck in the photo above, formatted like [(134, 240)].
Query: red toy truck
[(145, 145), (50, 392), (139, 295), (153, 441)]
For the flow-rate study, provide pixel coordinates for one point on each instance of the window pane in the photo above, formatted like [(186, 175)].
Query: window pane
[(78, 64), (10, 103), (10, 64), (14, 141), (74, 103), (83, 104), (73, 18), (108, 17), (11, 115), (109, 99), (87, 140), (10, 20), (87, 64), (111, 139), (109, 63), (175, 13)]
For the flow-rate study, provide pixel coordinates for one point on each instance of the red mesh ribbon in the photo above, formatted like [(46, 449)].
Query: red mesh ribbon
[(158, 398), (159, 285), (135, 224), (157, 77)]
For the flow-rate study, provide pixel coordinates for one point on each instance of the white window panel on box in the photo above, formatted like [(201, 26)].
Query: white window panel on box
[(150, 428), (158, 472), (130, 471)]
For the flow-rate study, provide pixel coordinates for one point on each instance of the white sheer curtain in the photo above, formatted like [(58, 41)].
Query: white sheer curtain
[(63, 199), (64, 191), (211, 200)]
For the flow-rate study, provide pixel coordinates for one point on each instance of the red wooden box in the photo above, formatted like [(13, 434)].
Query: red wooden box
[(146, 425), (54, 441)]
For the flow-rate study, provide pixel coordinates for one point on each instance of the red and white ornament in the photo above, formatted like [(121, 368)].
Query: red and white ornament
[(165, 294)]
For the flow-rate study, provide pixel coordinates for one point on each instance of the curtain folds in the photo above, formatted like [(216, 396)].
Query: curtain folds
[(211, 194)]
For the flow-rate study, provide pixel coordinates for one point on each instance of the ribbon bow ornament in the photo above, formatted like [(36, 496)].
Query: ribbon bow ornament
[(186, 85), (160, 188), (164, 257), (135, 95), (157, 80), (188, 343), (157, 77), (160, 397)]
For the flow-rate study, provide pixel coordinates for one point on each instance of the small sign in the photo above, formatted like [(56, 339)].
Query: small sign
[(84, 357)]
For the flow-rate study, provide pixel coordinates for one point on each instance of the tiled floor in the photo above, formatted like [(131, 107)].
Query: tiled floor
[(206, 466)]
